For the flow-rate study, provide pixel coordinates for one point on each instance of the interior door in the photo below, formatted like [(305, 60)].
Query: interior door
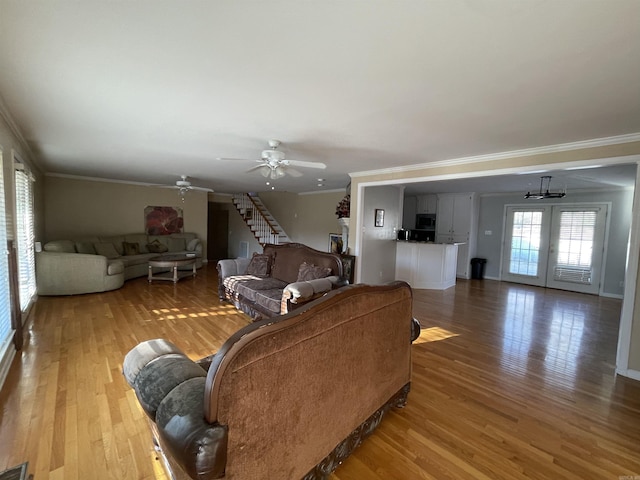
[(555, 246)]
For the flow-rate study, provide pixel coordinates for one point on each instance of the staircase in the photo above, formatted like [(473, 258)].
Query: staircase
[(264, 227)]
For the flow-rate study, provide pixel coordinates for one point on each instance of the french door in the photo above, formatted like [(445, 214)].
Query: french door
[(555, 246)]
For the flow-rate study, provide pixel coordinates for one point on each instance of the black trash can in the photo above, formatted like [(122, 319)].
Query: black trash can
[(477, 268)]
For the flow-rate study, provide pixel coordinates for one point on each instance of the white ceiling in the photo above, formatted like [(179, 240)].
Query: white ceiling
[(148, 90)]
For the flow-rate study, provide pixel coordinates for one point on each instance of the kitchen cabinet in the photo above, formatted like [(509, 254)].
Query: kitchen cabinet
[(457, 222), (426, 265), (426, 204)]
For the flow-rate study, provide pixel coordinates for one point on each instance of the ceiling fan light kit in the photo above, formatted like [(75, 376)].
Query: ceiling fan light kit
[(274, 164), (544, 193)]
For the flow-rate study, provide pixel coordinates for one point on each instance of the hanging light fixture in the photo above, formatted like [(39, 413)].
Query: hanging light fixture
[(544, 192)]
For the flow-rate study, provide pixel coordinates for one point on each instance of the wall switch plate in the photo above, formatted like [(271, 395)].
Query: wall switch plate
[(488, 232)]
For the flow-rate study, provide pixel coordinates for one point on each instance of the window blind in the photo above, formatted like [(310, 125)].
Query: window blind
[(6, 332), (25, 236)]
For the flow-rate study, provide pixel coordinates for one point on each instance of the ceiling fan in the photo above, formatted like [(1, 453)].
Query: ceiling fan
[(274, 165), (184, 186)]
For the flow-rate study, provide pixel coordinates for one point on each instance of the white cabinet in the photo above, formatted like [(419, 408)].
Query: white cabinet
[(426, 265), (457, 222), (426, 204), (454, 214)]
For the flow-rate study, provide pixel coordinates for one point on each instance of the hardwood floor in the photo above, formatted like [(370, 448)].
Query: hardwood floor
[(509, 382)]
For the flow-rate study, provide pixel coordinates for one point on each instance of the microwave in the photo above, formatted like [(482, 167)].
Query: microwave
[(426, 221)]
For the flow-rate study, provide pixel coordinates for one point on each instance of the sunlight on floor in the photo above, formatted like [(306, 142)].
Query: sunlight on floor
[(188, 312), (433, 334)]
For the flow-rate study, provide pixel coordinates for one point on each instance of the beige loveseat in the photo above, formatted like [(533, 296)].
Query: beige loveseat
[(99, 264), (285, 398)]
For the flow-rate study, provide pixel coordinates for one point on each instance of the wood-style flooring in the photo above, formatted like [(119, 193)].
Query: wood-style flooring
[(509, 382)]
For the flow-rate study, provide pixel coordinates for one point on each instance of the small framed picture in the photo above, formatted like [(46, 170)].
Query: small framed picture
[(248, 214), (335, 243), (379, 217)]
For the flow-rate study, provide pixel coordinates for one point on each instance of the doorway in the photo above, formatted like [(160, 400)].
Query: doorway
[(556, 246), (217, 232)]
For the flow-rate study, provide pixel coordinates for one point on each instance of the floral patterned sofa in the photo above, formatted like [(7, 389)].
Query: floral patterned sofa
[(99, 264)]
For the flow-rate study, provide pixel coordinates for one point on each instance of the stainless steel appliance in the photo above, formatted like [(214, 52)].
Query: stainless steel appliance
[(426, 221)]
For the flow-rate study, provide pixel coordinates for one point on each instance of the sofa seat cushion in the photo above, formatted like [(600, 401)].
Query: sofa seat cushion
[(250, 288), (129, 260), (270, 299)]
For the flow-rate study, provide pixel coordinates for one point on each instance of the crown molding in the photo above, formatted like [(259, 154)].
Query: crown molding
[(563, 147), (97, 179)]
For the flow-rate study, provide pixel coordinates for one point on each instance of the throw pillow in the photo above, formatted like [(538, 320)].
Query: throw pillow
[(260, 265), (311, 272), (106, 250), (131, 248), (157, 247)]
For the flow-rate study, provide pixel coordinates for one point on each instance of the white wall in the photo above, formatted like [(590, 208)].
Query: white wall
[(379, 243)]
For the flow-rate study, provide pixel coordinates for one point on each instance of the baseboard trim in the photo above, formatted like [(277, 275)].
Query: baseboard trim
[(629, 373), (612, 295), (6, 358)]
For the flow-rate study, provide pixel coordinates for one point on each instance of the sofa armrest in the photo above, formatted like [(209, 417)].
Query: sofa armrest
[(301, 292), (195, 246), (232, 266), (170, 389), (74, 273), (228, 268)]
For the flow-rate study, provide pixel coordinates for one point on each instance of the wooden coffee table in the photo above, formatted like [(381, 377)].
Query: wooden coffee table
[(172, 262)]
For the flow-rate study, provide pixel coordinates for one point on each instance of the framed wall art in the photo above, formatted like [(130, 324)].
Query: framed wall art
[(335, 243), (379, 218), (163, 220)]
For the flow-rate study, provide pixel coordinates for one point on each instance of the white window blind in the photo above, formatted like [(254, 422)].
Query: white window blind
[(6, 331), (25, 236)]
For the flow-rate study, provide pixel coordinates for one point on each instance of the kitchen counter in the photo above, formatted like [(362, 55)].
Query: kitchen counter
[(426, 265)]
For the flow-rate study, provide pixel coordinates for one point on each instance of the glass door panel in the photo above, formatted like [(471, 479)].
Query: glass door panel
[(525, 253), (576, 248), (555, 246)]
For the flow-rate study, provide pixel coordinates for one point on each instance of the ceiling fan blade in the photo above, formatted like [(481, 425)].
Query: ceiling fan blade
[(236, 159), (300, 163), (293, 172), (201, 189), (257, 167)]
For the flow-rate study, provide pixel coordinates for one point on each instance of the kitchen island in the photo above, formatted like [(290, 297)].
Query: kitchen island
[(426, 265)]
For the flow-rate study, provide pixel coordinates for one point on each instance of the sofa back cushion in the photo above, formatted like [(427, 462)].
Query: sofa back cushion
[(308, 272), (60, 246), (85, 247), (116, 240), (288, 258), (106, 249)]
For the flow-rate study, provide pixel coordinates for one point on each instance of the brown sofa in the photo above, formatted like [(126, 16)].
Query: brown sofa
[(285, 398), (279, 289)]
